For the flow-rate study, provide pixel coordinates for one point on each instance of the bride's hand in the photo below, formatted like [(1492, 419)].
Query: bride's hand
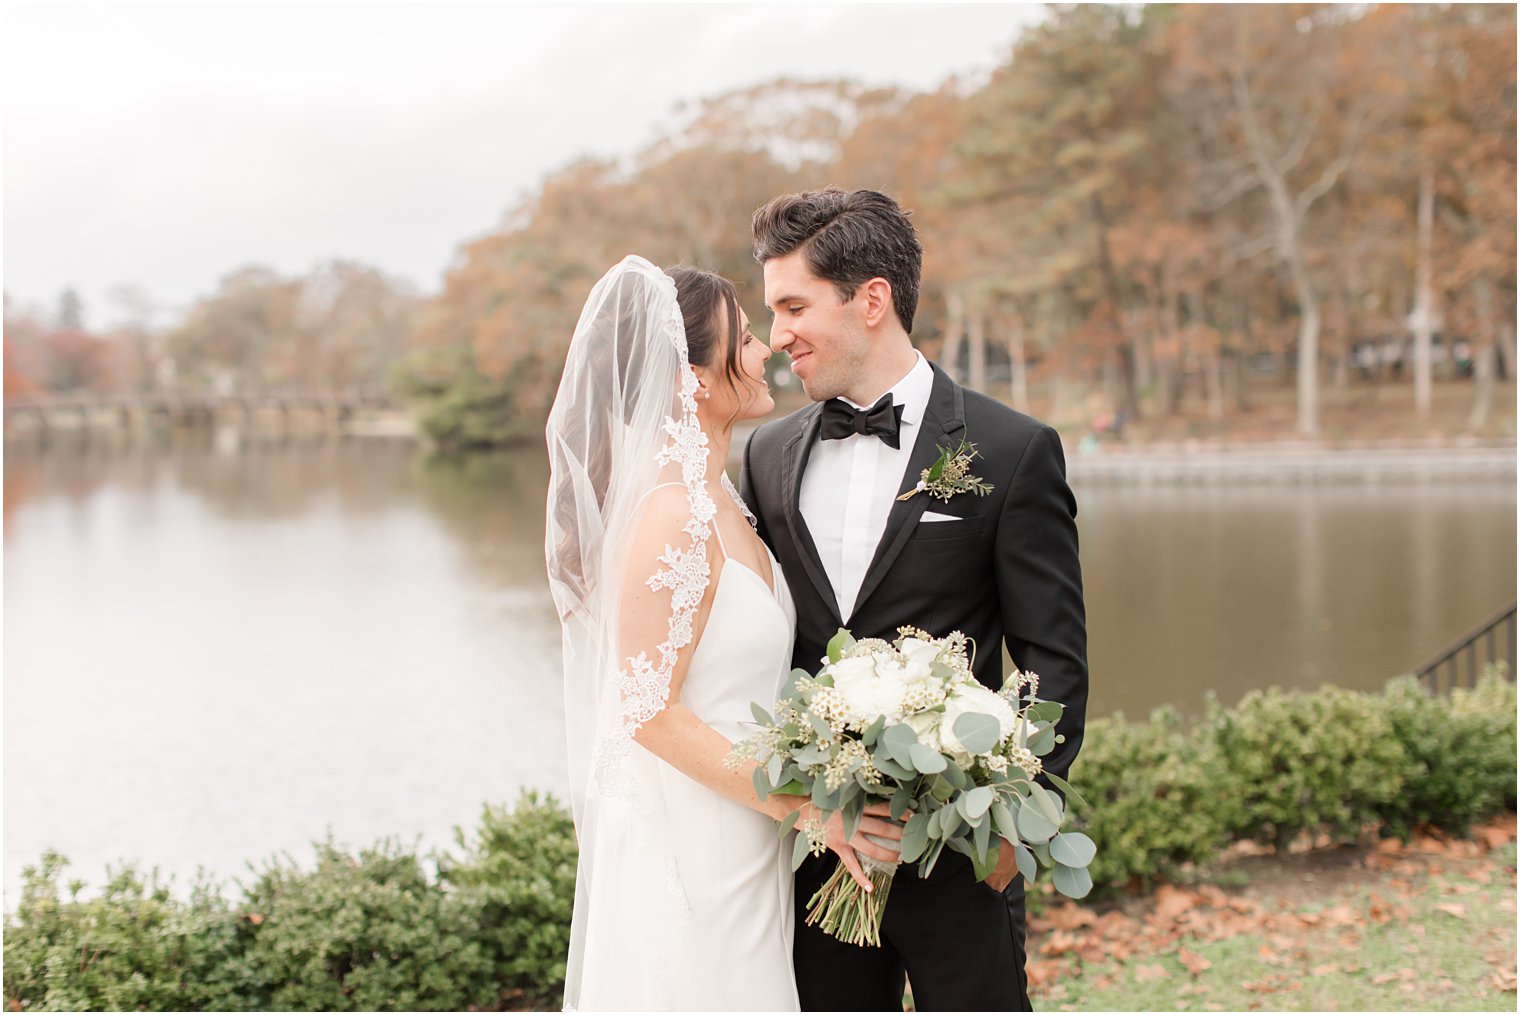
[(876, 821)]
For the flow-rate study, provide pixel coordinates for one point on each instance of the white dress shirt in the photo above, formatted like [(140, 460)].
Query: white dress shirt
[(851, 484)]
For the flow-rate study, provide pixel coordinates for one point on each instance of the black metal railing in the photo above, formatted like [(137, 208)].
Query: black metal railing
[(1459, 665)]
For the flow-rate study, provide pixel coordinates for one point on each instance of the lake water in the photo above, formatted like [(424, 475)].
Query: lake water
[(216, 649)]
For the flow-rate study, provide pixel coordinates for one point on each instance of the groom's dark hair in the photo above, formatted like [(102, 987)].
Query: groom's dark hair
[(847, 238)]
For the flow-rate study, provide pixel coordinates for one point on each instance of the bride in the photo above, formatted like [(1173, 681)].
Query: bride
[(675, 618)]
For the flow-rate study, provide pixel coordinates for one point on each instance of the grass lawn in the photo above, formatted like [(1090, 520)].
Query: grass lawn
[(1429, 927)]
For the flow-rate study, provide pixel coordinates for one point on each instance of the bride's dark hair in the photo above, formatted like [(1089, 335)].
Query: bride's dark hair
[(703, 297)]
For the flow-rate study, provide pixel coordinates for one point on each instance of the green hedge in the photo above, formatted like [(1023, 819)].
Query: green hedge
[(368, 932), (487, 929)]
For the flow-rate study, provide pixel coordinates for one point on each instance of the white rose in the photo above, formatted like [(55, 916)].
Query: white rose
[(926, 726), (973, 699), (869, 690), (917, 650)]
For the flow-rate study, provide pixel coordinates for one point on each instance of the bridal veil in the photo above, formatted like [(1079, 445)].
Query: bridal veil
[(624, 421)]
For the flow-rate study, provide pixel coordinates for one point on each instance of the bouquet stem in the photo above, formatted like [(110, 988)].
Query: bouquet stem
[(844, 910)]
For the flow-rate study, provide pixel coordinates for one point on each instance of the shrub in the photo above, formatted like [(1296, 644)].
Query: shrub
[(1461, 751), (517, 883), (1293, 762), (370, 932), (1150, 805), (131, 947), (459, 407)]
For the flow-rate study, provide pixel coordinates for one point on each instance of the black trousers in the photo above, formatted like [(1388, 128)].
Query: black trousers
[(958, 942)]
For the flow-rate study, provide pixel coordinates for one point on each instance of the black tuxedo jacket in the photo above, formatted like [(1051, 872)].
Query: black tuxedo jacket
[(1006, 572)]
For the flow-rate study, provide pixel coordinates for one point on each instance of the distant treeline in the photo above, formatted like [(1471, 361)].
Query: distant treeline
[(1157, 203)]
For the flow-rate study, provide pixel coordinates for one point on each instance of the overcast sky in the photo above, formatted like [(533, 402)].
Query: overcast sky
[(164, 145)]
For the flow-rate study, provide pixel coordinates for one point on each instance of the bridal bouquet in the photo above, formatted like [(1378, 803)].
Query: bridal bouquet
[(907, 723)]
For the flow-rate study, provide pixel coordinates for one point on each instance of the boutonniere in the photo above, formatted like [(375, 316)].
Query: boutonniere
[(951, 474)]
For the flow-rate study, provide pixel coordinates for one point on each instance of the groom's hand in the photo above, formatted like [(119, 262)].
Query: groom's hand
[(1007, 867), (876, 821)]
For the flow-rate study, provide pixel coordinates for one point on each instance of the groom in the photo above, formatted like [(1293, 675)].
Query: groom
[(841, 279)]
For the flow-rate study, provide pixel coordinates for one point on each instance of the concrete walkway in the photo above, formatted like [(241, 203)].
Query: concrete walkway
[(1289, 463)]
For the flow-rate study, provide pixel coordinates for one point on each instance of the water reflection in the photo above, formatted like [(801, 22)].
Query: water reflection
[(1197, 589), (216, 648)]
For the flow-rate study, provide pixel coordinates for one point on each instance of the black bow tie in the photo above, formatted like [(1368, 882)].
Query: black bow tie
[(841, 419)]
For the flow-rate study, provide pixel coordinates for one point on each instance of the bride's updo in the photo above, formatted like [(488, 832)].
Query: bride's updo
[(704, 298)]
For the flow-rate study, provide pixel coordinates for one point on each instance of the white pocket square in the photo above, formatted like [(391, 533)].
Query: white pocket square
[(935, 516)]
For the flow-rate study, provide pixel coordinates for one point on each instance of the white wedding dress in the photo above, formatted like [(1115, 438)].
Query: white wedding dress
[(691, 906)]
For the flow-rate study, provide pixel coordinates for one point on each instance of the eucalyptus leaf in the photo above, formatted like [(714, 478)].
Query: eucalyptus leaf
[(841, 643), (1002, 819), (1043, 742), (1048, 803), (981, 839), (762, 788), (1034, 826), (956, 777), (902, 799), (978, 801), (897, 741), (873, 731), (789, 822), (1073, 849), (1044, 711), (940, 789), (852, 809), (1027, 866), (886, 766), (761, 715), (773, 769), (1072, 882), (799, 850), (926, 865), (927, 760), (915, 838), (1066, 787), (811, 755), (977, 732)]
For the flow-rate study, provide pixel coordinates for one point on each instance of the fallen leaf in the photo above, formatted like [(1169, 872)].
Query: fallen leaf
[(1340, 916), (1504, 980), (1194, 962), (1171, 902), (1381, 978), (1060, 943), (1453, 909), (1150, 973), (1326, 969)]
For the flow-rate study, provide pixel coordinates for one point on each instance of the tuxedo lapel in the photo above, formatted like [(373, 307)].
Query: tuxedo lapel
[(794, 459), (944, 417)]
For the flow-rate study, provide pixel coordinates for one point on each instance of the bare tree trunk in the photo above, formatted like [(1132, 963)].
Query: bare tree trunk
[(1289, 211), (955, 329), (976, 373), (1483, 362), (1019, 383), (1213, 385), (1116, 308), (1423, 301), (1506, 348)]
